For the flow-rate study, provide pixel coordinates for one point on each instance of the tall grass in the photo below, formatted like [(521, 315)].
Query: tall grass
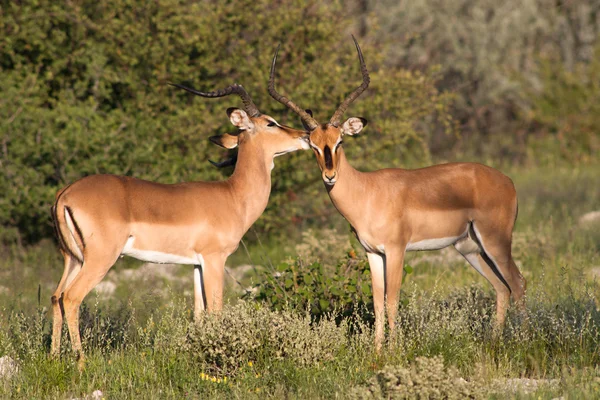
[(140, 342)]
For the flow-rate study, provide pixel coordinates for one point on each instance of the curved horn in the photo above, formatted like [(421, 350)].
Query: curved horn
[(249, 105), (310, 122), (337, 116)]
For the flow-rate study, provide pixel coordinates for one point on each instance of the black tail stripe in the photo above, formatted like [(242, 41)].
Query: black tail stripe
[(62, 243), (76, 225), (57, 232), (487, 258)]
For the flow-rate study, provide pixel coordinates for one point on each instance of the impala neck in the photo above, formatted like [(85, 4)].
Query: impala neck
[(251, 180), (349, 190)]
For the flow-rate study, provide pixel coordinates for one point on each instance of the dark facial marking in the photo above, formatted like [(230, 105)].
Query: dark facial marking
[(328, 159)]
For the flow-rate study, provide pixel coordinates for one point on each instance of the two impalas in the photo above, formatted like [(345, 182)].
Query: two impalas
[(391, 211)]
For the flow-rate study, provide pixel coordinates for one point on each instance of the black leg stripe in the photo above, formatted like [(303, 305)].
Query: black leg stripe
[(202, 285), (487, 258), (494, 268)]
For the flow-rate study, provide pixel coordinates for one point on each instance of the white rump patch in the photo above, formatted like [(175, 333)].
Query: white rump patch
[(72, 230), (155, 256)]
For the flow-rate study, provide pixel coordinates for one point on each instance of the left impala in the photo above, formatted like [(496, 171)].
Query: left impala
[(101, 217)]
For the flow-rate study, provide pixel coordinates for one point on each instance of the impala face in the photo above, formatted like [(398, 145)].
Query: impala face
[(326, 141), (275, 139)]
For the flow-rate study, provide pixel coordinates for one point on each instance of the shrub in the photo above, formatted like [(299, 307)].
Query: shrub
[(343, 289), (426, 378), (227, 340)]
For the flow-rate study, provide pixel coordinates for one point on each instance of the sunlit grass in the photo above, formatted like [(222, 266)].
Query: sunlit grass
[(140, 342)]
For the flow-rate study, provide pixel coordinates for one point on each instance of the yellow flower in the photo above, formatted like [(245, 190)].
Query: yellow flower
[(250, 363), (225, 380), (213, 379)]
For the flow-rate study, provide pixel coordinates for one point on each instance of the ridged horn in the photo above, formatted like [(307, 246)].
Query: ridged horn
[(337, 116), (308, 120), (249, 105)]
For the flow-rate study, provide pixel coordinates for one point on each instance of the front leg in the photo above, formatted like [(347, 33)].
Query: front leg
[(213, 271), (394, 270), (199, 295), (376, 264)]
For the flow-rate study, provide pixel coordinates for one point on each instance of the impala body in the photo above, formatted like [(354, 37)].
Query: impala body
[(101, 217), (470, 206)]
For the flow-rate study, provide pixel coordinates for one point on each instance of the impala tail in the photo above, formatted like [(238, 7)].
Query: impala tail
[(70, 238)]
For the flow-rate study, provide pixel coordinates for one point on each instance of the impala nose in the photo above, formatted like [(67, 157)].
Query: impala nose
[(330, 180)]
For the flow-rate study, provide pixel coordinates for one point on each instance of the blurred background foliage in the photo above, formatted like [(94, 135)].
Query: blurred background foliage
[(84, 90)]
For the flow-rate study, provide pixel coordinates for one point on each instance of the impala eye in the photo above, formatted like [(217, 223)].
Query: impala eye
[(272, 123)]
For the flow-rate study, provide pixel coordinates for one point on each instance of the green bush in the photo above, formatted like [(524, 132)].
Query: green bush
[(84, 92), (343, 289)]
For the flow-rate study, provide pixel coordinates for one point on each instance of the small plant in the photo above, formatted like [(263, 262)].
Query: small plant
[(342, 289), (427, 378), (227, 341)]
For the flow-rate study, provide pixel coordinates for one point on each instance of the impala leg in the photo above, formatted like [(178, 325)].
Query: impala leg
[(478, 262), (92, 272), (378, 285), (72, 267), (199, 300), (394, 270), (213, 274), (496, 252)]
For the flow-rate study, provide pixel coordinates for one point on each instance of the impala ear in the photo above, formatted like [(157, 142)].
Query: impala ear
[(353, 125), (240, 119), (225, 140)]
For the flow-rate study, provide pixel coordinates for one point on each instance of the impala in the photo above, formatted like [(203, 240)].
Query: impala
[(101, 217), (470, 206)]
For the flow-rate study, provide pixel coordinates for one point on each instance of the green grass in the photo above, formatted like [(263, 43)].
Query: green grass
[(140, 342)]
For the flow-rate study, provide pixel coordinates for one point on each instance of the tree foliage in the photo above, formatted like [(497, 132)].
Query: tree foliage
[(489, 53), (84, 92)]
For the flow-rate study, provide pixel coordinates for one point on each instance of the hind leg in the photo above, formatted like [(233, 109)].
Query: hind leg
[(72, 268), (93, 270), (478, 262), (496, 250)]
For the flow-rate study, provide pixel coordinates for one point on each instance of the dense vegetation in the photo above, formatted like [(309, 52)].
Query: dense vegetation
[(84, 89), (514, 85)]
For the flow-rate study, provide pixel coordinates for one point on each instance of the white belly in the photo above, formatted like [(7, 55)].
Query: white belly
[(432, 244), (157, 256)]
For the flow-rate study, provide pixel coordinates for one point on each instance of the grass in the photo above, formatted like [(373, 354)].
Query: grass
[(141, 343)]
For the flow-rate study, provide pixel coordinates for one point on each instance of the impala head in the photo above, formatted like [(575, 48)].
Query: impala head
[(326, 139), (275, 139)]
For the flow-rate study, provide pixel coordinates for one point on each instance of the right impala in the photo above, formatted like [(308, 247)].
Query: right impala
[(468, 205)]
